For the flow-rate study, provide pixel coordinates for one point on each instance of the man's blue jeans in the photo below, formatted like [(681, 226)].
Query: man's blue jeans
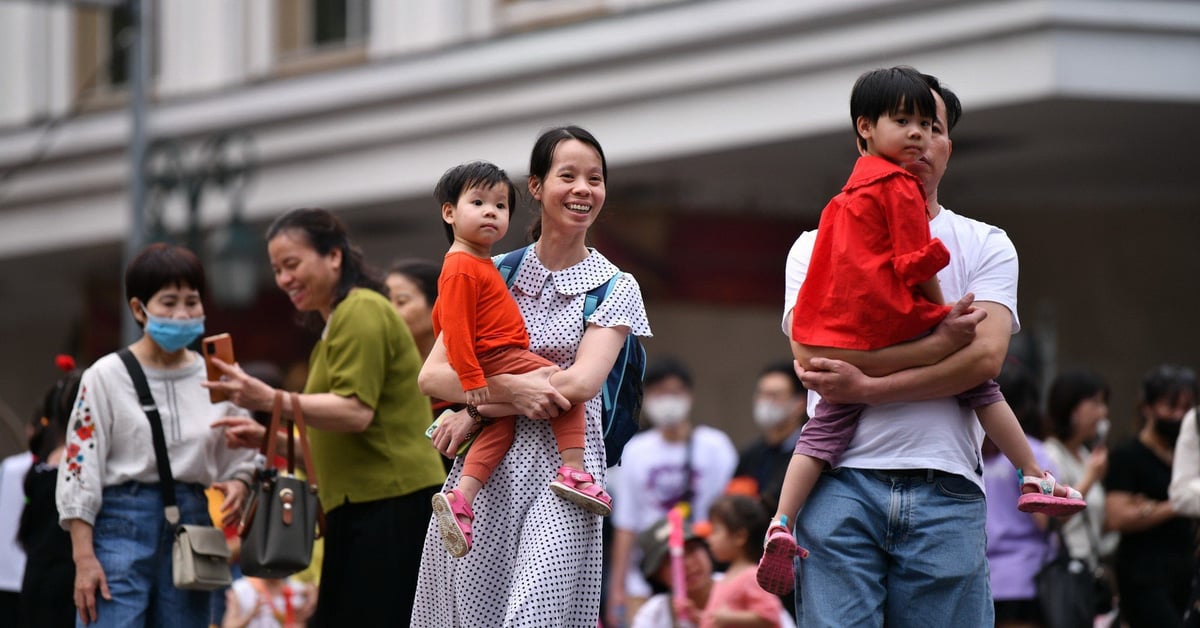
[(132, 540), (894, 549)]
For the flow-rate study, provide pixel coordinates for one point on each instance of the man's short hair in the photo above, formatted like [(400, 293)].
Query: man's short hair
[(665, 368), (953, 105), (787, 369)]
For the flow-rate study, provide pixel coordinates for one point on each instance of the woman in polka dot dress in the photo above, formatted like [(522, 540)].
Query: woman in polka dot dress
[(538, 558)]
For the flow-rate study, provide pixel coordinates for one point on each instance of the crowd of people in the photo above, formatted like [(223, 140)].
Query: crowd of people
[(871, 513)]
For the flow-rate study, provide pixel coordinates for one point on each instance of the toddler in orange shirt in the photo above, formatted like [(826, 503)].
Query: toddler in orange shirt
[(484, 334)]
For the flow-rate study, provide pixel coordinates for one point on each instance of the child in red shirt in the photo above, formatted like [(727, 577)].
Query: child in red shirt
[(872, 283), (484, 335)]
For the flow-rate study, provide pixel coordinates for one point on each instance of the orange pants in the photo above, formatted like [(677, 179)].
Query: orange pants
[(493, 441)]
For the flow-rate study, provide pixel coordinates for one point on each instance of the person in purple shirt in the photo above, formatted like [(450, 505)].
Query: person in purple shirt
[(1018, 544)]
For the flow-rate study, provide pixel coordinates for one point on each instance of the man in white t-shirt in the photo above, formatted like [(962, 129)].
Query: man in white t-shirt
[(896, 532), (676, 461)]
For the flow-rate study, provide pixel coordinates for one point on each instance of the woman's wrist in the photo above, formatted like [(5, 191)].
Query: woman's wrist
[(478, 418)]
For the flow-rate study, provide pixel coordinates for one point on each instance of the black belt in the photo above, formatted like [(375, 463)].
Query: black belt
[(928, 474)]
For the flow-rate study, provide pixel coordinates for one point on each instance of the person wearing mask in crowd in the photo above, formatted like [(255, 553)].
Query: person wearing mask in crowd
[(1077, 417), (366, 421), (49, 581), (659, 611), (108, 492), (1018, 543), (540, 562), (675, 462), (412, 289), (1154, 557), (778, 412), (1185, 494), (913, 442)]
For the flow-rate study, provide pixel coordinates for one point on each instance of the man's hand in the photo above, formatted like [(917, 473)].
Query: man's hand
[(836, 381), (958, 328)]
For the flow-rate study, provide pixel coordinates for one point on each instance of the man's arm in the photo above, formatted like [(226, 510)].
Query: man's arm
[(955, 331), (841, 382)]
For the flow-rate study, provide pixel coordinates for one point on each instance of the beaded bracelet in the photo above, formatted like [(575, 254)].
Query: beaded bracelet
[(479, 419)]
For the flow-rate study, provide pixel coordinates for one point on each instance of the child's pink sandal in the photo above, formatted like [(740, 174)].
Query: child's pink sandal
[(455, 533), (591, 498), (1046, 496), (776, 569)]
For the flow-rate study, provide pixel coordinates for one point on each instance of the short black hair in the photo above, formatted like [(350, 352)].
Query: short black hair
[(665, 368), (475, 174), (1067, 391), (788, 369), (1168, 382), (953, 105), (890, 91), (160, 265)]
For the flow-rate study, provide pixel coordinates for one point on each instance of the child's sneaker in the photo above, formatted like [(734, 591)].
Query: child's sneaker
[(776, 568), (1046, 496)]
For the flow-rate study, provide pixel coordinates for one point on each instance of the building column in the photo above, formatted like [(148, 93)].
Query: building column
[(201, 45)]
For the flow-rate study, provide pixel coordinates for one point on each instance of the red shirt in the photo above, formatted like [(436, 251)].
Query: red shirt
[(475, 313), (873, 248)]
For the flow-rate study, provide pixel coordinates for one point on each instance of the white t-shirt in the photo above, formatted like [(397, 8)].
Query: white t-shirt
[(653, 475), (12, 504), (928, 434)]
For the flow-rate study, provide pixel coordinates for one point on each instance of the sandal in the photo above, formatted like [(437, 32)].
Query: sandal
[(776, 569), (455, 533), (591, 498), (1046, 496)]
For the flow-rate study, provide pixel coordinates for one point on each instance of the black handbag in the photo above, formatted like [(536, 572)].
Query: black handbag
[(1070, 592), (281, 519), (199, 556)]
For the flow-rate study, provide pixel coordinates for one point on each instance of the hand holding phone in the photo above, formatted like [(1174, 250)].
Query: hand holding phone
[(466, 444), (218, 346)]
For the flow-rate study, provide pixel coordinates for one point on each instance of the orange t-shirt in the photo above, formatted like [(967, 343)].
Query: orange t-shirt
[(475, 314), (873, 247)]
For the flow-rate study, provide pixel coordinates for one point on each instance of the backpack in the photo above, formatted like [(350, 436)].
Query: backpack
[(621, 395)]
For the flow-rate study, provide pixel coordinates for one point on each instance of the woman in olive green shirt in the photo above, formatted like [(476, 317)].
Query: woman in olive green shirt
[(375, 469)]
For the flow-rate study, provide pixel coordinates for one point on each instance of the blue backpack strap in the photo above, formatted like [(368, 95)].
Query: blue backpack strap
[(509, 264), (596, 296)]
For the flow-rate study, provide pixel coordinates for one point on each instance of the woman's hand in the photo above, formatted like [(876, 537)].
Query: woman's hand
[(241, 432), (532, 394), (242, 389), (452, 432), (235, 492), (88, 576)]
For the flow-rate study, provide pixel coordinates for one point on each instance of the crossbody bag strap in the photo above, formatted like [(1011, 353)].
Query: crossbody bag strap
[(166, 481)]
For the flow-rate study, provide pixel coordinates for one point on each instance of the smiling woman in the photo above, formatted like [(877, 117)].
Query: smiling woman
[(367, 420)]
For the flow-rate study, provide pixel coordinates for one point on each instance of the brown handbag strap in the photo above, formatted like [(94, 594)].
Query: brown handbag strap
[(309, 470)]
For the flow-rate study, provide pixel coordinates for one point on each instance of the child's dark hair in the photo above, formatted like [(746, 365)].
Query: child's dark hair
[(160, 265), (890, 91), (542, 157), (324, 233), (1070, 389), (423, 273), (475, 174), (50, 428), (739, 512)]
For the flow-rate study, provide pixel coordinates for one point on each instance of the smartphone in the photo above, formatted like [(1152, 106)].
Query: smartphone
[(218, 346), (462, 449)]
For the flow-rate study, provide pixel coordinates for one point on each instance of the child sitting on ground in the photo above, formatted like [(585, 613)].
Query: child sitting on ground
[(872, 283), (484, 335)]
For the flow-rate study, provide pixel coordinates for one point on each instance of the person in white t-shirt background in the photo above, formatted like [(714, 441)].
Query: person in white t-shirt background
[(675, 461), (914, 444)]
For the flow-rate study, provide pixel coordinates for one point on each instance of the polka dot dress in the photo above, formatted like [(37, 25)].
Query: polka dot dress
[(536, 558)]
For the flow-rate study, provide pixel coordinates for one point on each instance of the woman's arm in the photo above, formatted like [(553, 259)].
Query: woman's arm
[(1134, 512), (324, 411), (955, 331), (593, 361), (88, 573), (1185, 472)]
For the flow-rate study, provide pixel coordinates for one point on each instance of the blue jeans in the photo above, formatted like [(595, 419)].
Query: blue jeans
[(132, 540), (893, 549)]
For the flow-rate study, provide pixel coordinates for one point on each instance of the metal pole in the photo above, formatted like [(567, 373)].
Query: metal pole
[(139, 64)]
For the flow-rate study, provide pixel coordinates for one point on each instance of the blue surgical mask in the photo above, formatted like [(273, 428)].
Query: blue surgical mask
[(173, 334)]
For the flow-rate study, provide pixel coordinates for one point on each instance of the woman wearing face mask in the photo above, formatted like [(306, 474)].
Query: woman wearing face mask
[(778, 412), (1077, 413), (107, 495), (1154, 558), (674, 462)]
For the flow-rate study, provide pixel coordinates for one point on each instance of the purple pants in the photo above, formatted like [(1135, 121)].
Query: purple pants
[(828, 432)]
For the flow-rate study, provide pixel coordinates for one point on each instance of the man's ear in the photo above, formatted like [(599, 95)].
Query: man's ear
[(535, 187)]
